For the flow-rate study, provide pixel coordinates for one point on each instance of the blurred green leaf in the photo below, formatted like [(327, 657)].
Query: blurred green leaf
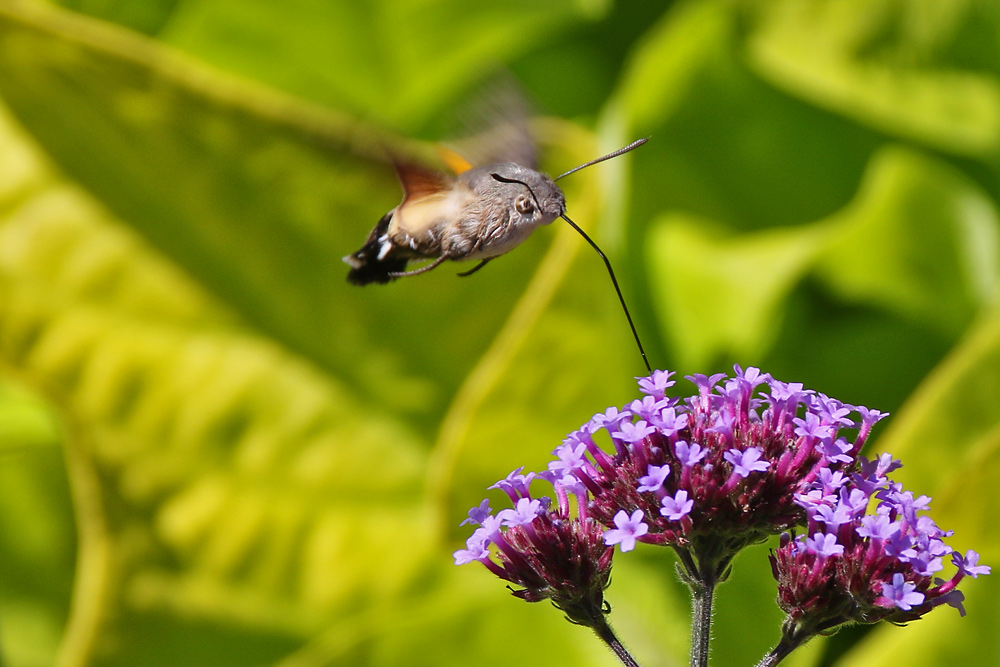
[(398, 62), (919, 240), (148, 17), (216, 510), (25, 421), (888, 65), (37, 537), (724, 296), (727, 146)]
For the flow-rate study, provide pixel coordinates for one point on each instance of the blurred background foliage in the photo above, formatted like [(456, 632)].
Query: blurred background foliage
[(216, 452)]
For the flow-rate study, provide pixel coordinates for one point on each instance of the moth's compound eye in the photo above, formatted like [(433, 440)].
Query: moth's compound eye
[(524, 205)]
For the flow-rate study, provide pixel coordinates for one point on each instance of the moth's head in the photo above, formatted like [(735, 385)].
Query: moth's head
[(531, 195)]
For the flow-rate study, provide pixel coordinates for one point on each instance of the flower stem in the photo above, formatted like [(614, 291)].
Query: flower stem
[(702, 597), (790, 640), (607, 635), (777, 654)]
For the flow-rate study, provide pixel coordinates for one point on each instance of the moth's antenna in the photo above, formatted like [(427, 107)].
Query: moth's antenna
[(620, 151), (614, 281)]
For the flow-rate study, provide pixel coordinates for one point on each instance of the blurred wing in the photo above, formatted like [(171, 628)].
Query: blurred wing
[(457, 163), (420, 217), (431, 200), (495, 126), (420, 182)]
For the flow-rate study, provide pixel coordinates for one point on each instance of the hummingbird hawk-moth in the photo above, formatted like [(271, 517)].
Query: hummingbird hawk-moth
[(479, 213)]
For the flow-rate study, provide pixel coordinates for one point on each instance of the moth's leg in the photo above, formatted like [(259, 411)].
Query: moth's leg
[(481, 264), (417, 272)]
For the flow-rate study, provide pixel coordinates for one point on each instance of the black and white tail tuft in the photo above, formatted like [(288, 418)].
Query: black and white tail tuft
[(377, 259)]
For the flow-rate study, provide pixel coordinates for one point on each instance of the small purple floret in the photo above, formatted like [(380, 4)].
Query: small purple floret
[(677, 507), (477, 514), (475, 549), (654, 478), (656, 385), (627, 529), (970, 564), (524, 512), (515, 485), (633, 433), (902, 593), (746, 462)]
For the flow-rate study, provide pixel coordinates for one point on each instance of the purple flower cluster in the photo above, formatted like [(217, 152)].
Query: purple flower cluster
[(547, 551), (742, 459), (856, 566), (716, 471)]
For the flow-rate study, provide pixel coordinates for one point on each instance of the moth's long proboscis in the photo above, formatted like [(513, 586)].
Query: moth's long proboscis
[(607, 262), (620, 151), (614, 281)]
